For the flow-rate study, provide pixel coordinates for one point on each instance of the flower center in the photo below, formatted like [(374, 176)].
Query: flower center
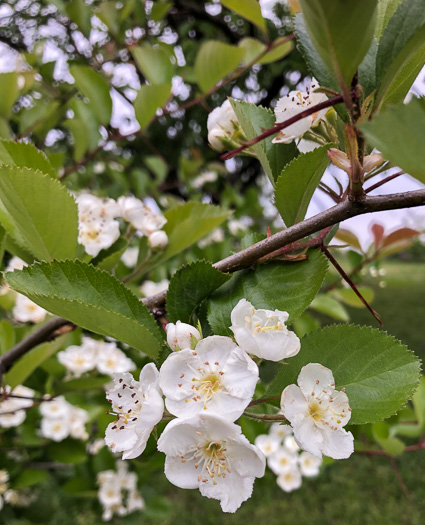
[(213, 460), (315, 411)]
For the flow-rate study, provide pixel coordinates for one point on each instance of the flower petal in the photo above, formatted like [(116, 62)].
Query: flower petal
[(337, 444)]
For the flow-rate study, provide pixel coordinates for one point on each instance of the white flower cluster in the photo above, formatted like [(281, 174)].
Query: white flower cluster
[(98, 228), (207, 384), (118, 492), (223, 127), (61, 420), (24, 310), (21, 498), (285, 459), (91, 354), (12, 409), (293, 104)]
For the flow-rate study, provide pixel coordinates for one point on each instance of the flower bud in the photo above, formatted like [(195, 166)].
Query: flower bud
[(372, 161), (340, 159), (158, 240), (182, 335)]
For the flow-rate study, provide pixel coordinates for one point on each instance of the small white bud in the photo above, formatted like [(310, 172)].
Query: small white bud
[(158, 240), (182, 335)]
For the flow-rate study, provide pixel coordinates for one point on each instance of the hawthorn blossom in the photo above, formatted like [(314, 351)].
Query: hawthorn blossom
[(219, 377), (97, 229), (290, 444), (280, 431), (210, 453), (110, 359), (138, 406), (290, 480), (222, 125), (292, 104), (129, 257), (149, 288), (4, 479), (132, 210), (61, 420), (263, 332), (26, 310), (15, 263), (282, 461), (79, 359), (318, 412), (182, 335), (12, 409), (158, 240), (268, 444), (309, 465), (56, 429)]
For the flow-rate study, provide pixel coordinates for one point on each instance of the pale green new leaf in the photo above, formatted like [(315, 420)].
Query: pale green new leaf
[(386, 9), (254, 120), (298, 182), (249, 9), (341, 31), (325, 304), (38, 213), (398, 132), (25, 155), (90, 298), (93, 86), (154, 63), (254, 48), (149, 99), (189, 286), (348, 297), (378, 372), (214, 61), (9, 92), (278, 285)]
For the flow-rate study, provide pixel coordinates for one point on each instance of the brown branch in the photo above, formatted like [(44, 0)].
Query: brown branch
[(277, 127), (266, 400)]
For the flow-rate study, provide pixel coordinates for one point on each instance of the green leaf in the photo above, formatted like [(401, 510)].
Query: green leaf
[(28, 478), (24, 155), (109, 258), (154, 63), (401, 52), (149, 99), (298, 182), (189, 286), (26, 364), (378, 372), (80, 13), (419, 403), (90, 298), (9, 92), (386, 9), (159, 11), (187, 223), (82, 383), (67, 451), (254, 48), (278, 285), (93, 86), (7, 336), (249, 9), (107, 13), (254, 120), (38, 213), (390, 444), (348, 297), (341, 31), (327, 305), (398, 132), (214, 61)]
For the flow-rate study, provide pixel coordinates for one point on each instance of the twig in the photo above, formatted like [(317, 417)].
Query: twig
[(277, 127), (399, 476), (266, 400), (384, 181)]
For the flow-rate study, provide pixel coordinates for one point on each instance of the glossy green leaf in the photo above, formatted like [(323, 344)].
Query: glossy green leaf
[(254, 120), (26, 155), (28, 478), (386, 9), (398, 132), (249, 9), (419, 403), (278, 285), (93, 86), (189, 286), (154, 63), (401, 53), (214, 61), (90, 298), (325, 304), (254, 48), (109, 258), (38, 213), (297, 183), (348, 297), (341, 31), (80, 384), (378, 372), (390, 444), (9, 92), (7, 336), (149, 99)]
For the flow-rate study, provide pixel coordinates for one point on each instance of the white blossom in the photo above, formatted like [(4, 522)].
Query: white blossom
[(61, 420), (132, 210), (290, 444), (158, 240), (77, 423), (129, 257), (280, 431), (19, 498), (12, 409), (56, 429), (138, 406), (210, 453), (268, 444), (152, 223), (95, 446), (292, 104), (149, 288), (26, 310), (182, 335), (97, 229), (217, 235), (263, 332), (309, 465), (290, 480), (204, 178), (282, 461), (110, 359), (15, 263), (79, 359), (222, 123), (56, 408), (217, 378), (318, 412)]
